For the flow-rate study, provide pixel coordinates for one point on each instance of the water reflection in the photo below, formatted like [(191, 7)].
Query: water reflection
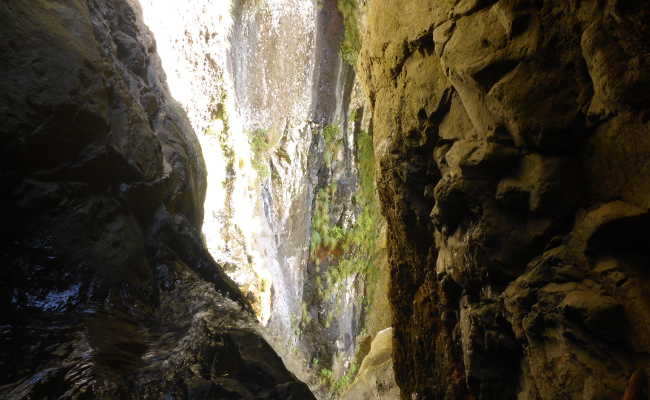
[(75, 353)]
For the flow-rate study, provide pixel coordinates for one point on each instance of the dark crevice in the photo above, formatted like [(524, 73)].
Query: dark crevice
[(494, 72)]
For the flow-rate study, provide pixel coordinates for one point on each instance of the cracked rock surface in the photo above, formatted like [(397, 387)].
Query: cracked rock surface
[(513, 145)]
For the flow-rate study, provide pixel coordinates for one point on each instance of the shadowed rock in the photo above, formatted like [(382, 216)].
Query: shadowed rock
[(107, 289), (524, 272)]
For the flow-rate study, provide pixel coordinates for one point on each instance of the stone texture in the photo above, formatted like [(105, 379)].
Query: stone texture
[(512, 139), (107, 288), (375, 379)]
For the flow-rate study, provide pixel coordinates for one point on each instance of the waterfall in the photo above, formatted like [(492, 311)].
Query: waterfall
[(238, 67), (260, 81)]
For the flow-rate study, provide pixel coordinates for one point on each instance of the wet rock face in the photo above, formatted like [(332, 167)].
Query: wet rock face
[(107, 289), (514, 175)]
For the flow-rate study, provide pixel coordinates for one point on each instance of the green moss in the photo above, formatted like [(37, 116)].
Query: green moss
[(305, 317), (325, 376), (350, 251), (344, 381), (333, 142), (346, 252), (351, 44), (260, 148), (337, 386), (325, 236)]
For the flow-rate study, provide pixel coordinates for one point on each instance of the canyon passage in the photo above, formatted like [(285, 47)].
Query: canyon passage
[(325, 199)]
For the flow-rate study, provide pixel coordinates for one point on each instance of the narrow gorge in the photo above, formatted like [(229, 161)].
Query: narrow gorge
[(325, 199)]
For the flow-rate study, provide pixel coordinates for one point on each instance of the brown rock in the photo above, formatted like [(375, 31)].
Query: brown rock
[(637, 387), (537, 150)]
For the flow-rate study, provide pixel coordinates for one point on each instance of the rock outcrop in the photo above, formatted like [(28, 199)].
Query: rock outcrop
[(375, 379), (107, 289), (513, 145)]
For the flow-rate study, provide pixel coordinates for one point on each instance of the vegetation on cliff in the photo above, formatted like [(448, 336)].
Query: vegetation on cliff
[(345, 250), (351, 44), (350, 250), (260, 148)]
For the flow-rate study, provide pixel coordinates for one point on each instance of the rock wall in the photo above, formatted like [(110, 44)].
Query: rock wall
[(513, 145), (280, 118), (243, 70), (376, 379), (107, 289)]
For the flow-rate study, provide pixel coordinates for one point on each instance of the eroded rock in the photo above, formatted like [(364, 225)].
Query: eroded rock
[(529, 277), (108, 290), (375, 379)]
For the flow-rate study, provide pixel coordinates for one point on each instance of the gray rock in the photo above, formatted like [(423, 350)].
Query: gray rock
[(108, 290)]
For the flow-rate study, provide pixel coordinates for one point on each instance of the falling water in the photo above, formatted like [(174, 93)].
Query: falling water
[(246, 70), (237, 67)]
